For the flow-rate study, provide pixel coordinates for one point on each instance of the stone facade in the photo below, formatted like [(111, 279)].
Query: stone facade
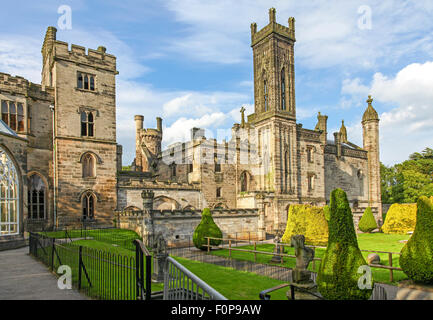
[(270, 154), (47, 122)]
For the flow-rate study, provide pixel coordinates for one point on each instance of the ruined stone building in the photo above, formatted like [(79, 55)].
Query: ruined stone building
[(61, 161), (270, 161)]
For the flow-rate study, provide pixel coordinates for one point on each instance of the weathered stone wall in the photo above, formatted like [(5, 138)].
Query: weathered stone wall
[(178, 226), (349, 174)]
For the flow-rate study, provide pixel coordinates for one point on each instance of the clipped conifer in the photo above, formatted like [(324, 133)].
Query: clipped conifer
[(327, 212), (416, 258), (206, 228), (368, 222), (338, 275)]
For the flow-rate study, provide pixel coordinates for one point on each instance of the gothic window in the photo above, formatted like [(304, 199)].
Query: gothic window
[(244, 181), (217, 164), (218, 192), (310, 154), (85, 81), (311, 178), (265, 94), (87, 124), (36, 198), (13, 115), (89, 167), (283, 90), (9, 196), (88, 205), (173, 169)]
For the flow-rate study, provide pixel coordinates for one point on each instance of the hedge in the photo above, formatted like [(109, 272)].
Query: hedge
[(368, 222), (400, 219), (309, 221), (206, 228), (416, 258)]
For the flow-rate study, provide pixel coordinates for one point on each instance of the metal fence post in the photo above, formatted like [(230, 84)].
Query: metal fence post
[(391, 275), (52, 253), (80, 261), (148, 277)]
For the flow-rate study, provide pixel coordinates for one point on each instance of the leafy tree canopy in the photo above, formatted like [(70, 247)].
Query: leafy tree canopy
[(406, 181)]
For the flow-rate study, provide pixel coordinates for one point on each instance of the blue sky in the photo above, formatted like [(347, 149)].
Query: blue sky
[(190, 62)]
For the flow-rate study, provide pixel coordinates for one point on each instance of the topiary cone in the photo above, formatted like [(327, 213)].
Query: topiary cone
[(206, 228), (368, 222), (338, 273), (327, 212), (416, 258)]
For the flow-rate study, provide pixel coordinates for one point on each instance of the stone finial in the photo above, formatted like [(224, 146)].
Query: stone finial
[(242, 117), (272, 15), (253, 28), (102, 49), (370, 113), (292, 24), (343, 132)]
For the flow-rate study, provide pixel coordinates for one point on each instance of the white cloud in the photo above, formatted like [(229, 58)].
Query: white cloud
[(180, 130), (406, 124)]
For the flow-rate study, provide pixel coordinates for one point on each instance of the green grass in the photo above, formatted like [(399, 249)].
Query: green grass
[(366, 241), (234, 284), (121, 237)]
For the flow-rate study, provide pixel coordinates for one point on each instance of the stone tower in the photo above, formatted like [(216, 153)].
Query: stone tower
[(274, 105), (370, 130), (84, 128), (148, 145)]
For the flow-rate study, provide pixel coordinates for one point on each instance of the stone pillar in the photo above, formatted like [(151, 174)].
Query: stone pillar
[(147, 222), (138, 127), (261, 223)]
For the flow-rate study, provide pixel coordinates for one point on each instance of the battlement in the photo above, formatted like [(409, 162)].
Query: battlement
[(77, 54), (21, 86), (273, 27)]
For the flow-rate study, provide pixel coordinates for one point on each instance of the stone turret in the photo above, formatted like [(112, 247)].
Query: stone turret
[(370, 129), (148, 144), (322, 125)]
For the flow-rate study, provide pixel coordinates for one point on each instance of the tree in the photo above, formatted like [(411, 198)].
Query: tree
[(406, 181), (338, 277)]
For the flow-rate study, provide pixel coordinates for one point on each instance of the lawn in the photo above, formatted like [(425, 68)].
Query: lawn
[(373, 241)]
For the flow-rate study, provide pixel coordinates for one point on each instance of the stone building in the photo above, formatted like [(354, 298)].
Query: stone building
[(271, 161), (61, 164), (59, 140)]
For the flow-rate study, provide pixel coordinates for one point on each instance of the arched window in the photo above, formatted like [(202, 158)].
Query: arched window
[(265, 94), (89, 167), (36, 197), (217, 164), (173, 169), (283, 90), (80, 80), (9, 196), (88, 205), (87, 124), (85, 81), (218, 192), (244, 181)]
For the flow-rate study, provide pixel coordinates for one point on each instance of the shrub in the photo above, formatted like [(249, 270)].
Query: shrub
[(368, 222), (400, 219), (308, 221), (206, 228), (327, 212), (416, 258), (338, 273)]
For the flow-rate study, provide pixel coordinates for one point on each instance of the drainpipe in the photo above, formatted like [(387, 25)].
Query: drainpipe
[(54, 170)]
